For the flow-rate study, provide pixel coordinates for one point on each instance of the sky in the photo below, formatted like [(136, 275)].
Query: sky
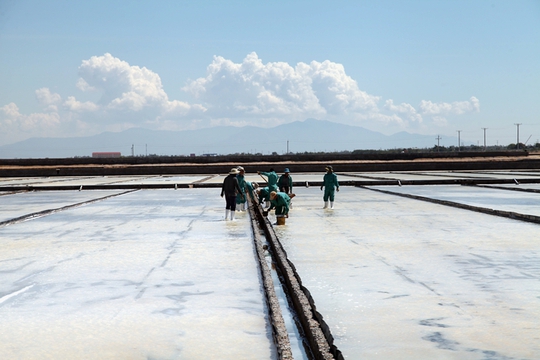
[(441, 68)]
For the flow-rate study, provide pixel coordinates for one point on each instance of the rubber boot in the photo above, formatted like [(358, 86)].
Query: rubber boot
[(267, 204), (227, 211), (331, 204), (325, 205), (232, 215)]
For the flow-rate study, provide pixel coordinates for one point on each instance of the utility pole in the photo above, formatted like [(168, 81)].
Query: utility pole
[(484, 138), (458, 140), (132, 150), (438, 138), (287, 146), (517, 142)]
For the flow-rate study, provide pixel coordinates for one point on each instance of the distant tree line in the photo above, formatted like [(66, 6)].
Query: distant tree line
[(434, 149)]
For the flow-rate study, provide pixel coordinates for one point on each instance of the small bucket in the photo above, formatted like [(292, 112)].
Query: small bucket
[(280, 220)]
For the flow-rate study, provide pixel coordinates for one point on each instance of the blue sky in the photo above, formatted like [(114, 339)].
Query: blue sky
[(77, 68)]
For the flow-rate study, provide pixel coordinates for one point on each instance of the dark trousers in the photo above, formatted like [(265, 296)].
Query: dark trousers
[(231, 202)]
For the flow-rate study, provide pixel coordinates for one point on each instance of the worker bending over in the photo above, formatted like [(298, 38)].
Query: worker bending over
[(281, 202), (264, 196), (252, 188)]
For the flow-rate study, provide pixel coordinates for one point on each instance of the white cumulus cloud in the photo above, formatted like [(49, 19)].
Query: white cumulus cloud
[(46, 97), (247, 93), (9, 112), (127, 88), (73, 104), (252, 88), (12, 120), (428, 114), (403, 109), (443, 108)]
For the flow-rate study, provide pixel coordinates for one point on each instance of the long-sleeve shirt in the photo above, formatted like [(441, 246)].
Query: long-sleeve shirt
[(264, 194), (272, 178), (330, 180), (281, 200), (241, 197), (285, 180), (230, 186)]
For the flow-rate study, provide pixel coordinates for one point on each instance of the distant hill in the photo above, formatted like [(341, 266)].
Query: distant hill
[(310, 135)]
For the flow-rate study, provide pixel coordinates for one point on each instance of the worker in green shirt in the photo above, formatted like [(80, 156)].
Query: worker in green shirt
[(280, 201), (272, 179), (330, 184), (241, 198), (264, 196)]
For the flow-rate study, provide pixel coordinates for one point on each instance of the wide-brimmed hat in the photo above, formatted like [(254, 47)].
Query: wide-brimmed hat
[(286, 170), (329, 168), (233, 171), (240, 168), (273, 194)]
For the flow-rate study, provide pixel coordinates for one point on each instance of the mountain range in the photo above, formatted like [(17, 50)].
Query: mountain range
[(301, 136)]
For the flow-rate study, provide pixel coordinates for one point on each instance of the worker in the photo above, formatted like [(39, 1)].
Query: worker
[(330, 183), (285, 182), (280, 201), (264, 196), (251, 188), (272, 179), (241, 197), (230, 188)]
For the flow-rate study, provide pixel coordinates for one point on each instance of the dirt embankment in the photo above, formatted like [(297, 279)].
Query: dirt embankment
[(103, 167)]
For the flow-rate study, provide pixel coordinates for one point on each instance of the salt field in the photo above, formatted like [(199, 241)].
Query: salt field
[(150, 274), (506, 200), (20, 204), (399, 278), (158, 274)]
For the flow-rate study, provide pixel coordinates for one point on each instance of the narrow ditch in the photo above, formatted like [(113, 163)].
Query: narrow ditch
[(299, 348), (52, 211), (312, 332)]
